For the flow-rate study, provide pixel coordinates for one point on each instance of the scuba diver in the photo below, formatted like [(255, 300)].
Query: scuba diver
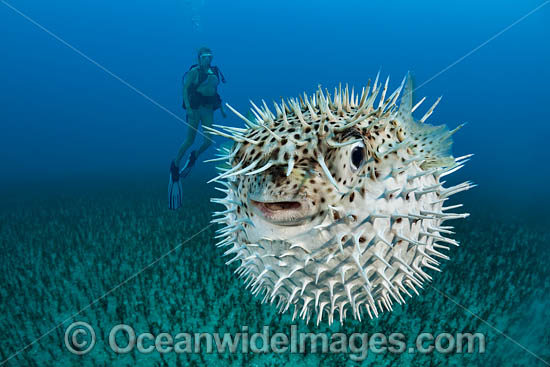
[(200, 100)]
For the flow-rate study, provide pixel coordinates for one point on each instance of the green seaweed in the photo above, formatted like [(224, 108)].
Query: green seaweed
[(60, 255)]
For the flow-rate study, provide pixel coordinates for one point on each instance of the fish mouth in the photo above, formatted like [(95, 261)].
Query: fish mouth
[(284, 212)]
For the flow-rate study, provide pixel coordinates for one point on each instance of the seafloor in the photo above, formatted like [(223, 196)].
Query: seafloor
[(59, 254)]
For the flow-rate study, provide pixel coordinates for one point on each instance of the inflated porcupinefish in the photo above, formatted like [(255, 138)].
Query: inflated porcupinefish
[(334, 204)]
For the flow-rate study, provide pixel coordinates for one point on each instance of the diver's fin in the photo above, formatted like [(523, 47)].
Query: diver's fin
[(175, 191), (188, 165)]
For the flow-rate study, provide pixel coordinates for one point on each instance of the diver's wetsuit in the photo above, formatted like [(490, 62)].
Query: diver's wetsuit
[(197, 99), (203, 98)]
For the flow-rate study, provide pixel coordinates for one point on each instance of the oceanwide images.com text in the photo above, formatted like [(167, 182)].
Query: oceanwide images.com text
[(80, 338)]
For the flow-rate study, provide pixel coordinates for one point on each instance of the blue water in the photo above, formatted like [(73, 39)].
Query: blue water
[(64, 117), (86, 86)]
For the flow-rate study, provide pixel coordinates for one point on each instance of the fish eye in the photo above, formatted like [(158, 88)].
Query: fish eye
[(357, 156)]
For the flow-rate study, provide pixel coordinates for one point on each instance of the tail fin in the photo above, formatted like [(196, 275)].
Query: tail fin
[(437, 141)]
